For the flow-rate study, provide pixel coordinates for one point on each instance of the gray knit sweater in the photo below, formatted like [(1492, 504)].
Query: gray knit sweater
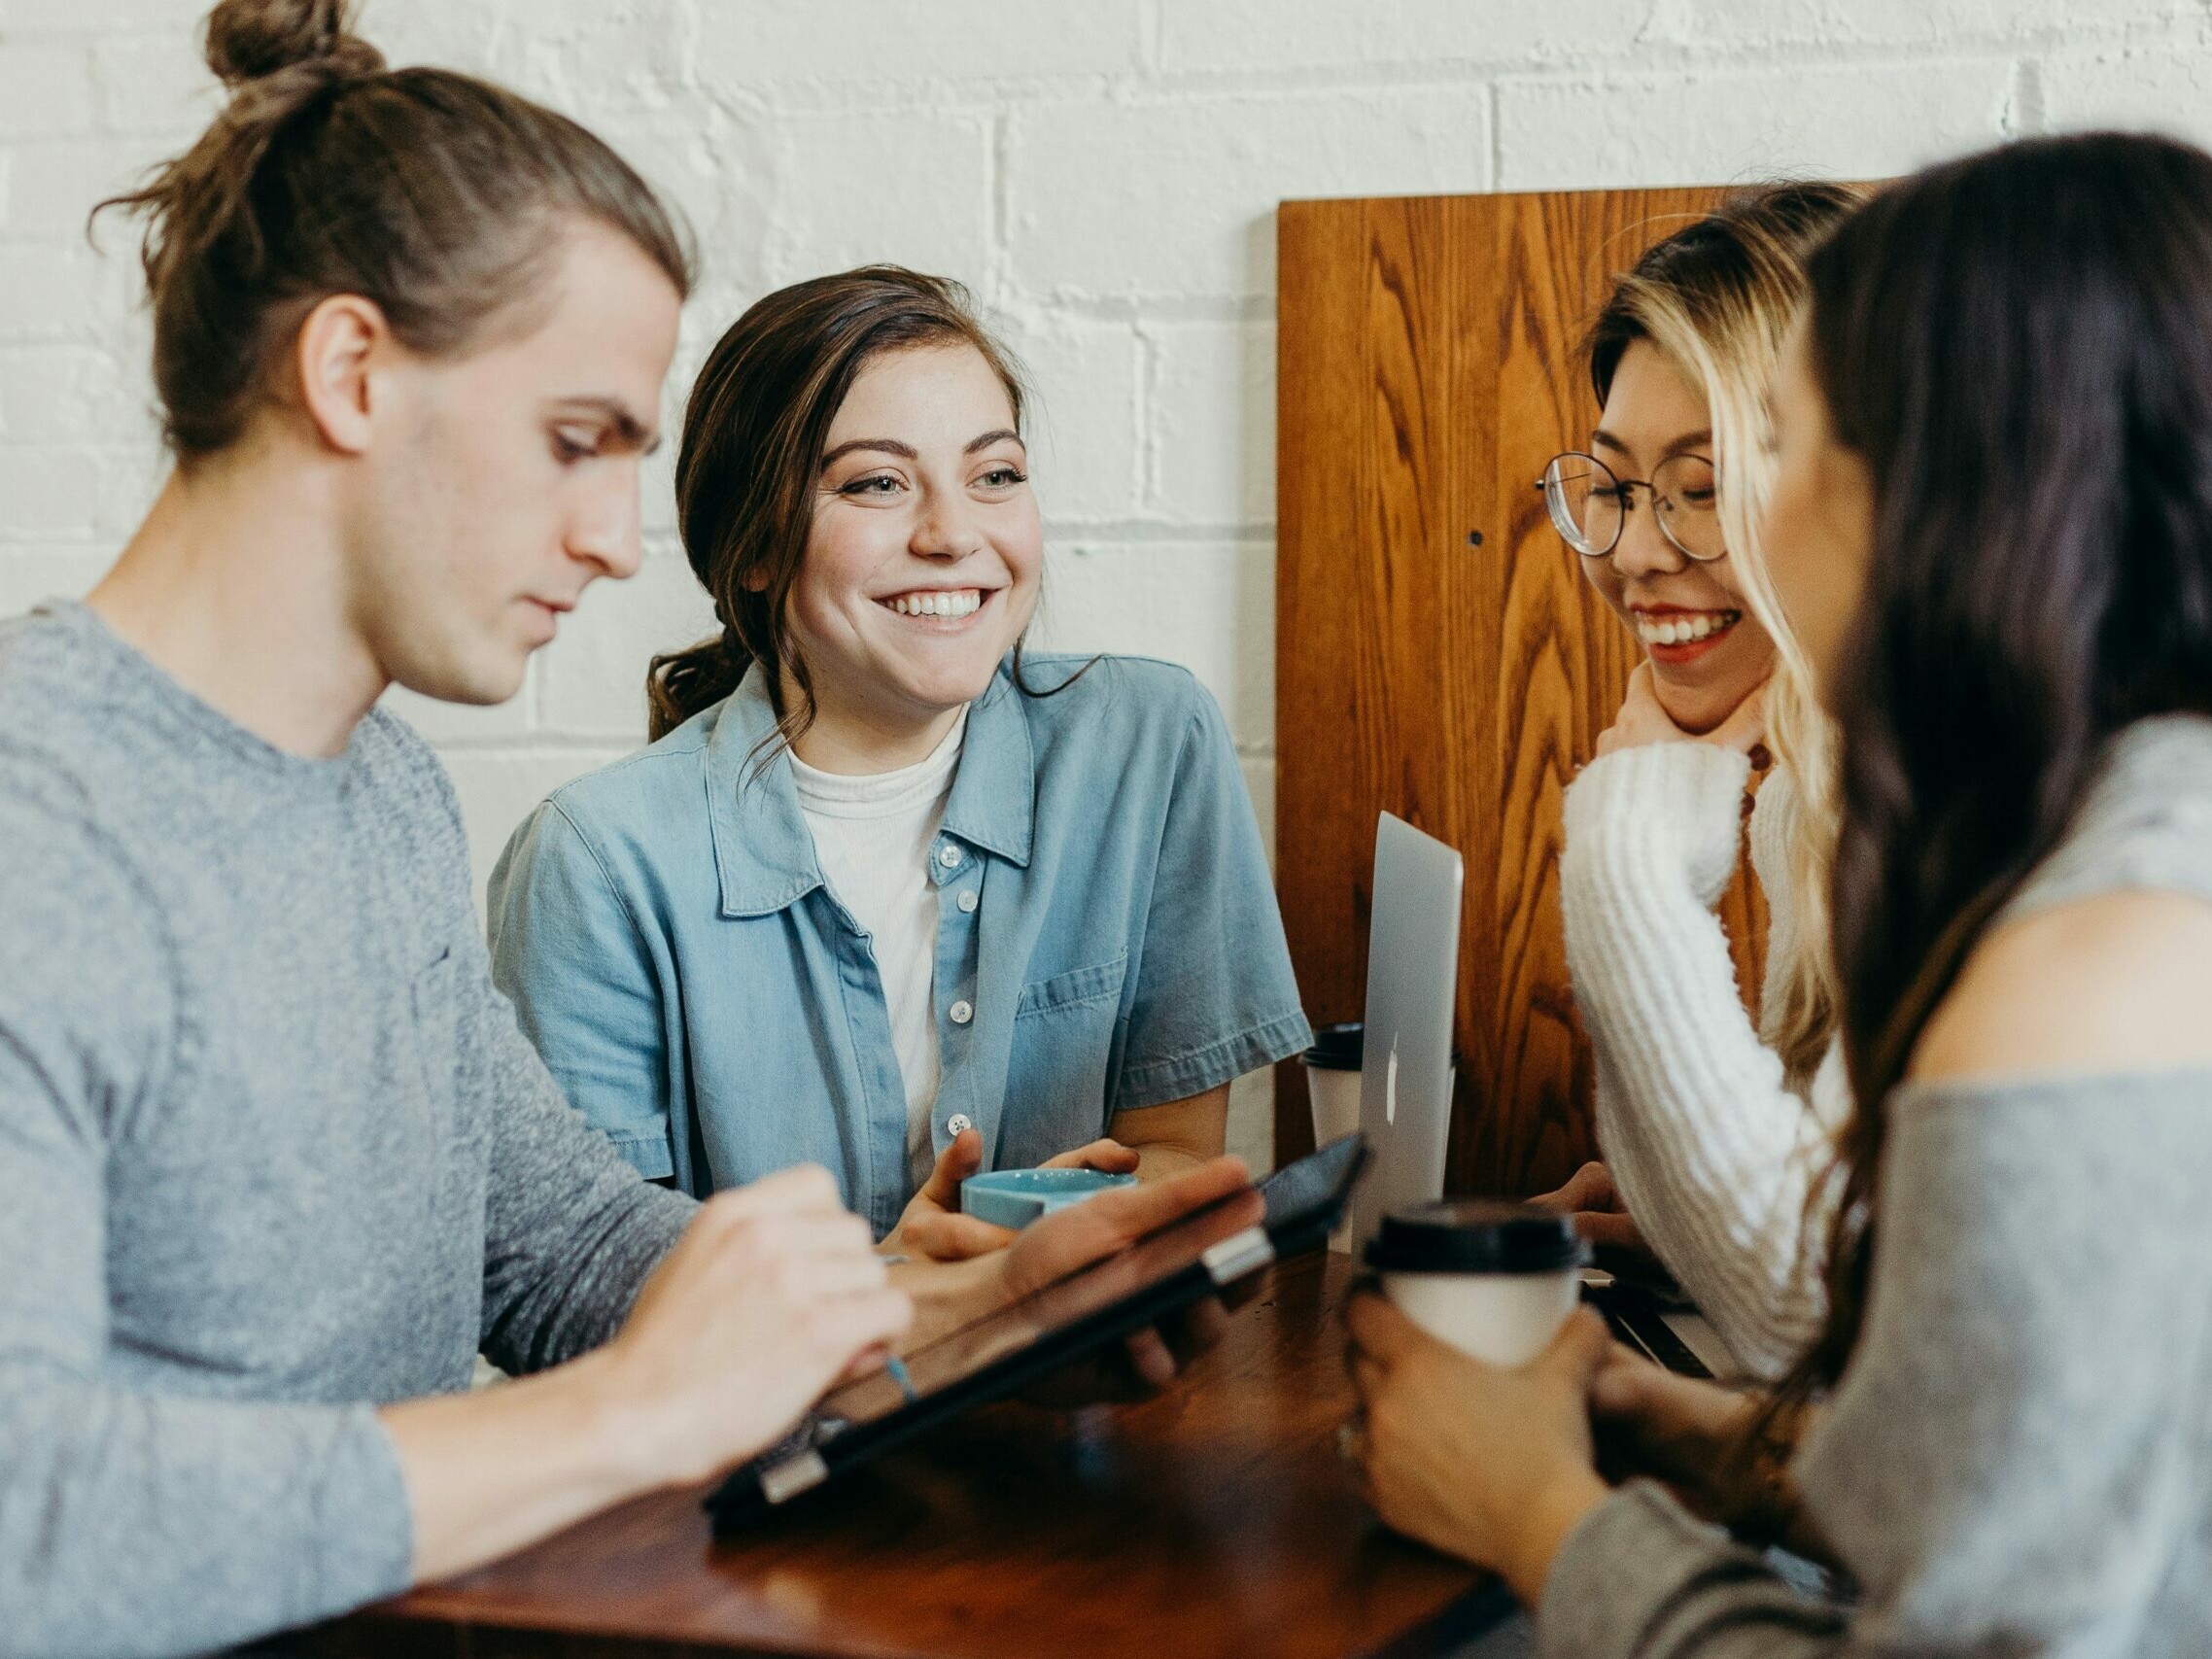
[(272, 1151), (2019, 1459)]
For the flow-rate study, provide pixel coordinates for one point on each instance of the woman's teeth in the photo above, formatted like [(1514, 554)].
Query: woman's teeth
[(1685, 627), (965, 601)]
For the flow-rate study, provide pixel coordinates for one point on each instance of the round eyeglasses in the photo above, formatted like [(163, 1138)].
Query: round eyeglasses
[(1589, 506)]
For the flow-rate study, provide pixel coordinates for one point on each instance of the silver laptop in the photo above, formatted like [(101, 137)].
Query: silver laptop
[(1405, 1073)]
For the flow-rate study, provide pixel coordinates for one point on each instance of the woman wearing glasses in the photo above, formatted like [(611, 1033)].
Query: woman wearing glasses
[(1712, 1129)]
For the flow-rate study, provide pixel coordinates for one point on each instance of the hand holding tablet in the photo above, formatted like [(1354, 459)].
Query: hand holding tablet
[(1070, 1289)]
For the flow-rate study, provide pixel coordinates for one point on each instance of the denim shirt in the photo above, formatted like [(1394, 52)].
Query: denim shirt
[(1107, 938)]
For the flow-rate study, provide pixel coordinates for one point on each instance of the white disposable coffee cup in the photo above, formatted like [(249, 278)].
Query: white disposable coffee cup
[(1494, 1280), (1332, 1087), (1333, 1081)]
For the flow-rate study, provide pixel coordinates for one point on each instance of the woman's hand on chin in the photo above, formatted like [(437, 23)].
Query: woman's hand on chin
[(1644, 720), (1492, 1465), (932, 1226)]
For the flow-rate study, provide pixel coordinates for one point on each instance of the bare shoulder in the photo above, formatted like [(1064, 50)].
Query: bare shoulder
[(2121, 982)]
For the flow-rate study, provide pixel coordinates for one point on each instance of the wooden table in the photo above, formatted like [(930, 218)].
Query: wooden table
[(1217, 1519)]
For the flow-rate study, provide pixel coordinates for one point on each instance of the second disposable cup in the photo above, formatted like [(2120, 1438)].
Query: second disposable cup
[(1332, 1087), (1333, 1081)]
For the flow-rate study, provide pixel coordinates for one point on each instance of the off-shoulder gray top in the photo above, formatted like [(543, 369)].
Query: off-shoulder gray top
[(2019, 1459)]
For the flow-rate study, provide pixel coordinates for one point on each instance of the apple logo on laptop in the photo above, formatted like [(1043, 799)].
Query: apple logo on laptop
[(1390, 1085)]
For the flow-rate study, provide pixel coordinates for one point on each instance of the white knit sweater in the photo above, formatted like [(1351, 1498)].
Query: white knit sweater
[(1712, 1152)]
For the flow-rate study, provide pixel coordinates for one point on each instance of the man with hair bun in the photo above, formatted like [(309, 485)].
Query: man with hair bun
[(275, 1159)]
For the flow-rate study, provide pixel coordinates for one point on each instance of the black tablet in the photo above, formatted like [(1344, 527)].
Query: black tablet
[(1026, 1340)]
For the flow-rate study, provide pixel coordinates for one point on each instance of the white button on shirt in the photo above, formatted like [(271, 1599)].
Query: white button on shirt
[(957, 1124), (968, 901), (872, 838), (962, 1013), (949, 856)]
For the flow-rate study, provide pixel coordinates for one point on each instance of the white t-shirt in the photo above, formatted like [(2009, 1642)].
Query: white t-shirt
[(873, 836)]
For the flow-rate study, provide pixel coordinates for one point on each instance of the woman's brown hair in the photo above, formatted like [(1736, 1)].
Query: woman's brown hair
[(2019, 346), (439, 197), (753, 435)]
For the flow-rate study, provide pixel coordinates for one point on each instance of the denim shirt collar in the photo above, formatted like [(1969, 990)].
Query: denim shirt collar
[(763, 849)]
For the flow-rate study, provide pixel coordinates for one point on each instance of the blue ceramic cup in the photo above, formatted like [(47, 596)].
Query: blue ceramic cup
[(1016, 1197)]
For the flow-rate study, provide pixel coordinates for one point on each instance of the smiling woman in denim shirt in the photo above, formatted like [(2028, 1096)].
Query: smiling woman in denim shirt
[(887, 893)]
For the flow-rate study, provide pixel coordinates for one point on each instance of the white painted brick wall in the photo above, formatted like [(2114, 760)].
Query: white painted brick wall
[(1102, 172)]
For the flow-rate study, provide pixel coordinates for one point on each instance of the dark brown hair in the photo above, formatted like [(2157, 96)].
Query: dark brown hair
[(437, 196), (2019, 346), (1751, 247), (753, 434)]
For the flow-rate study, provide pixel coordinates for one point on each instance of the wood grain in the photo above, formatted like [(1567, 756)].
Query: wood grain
[(1216, 1520), (1429, 365)]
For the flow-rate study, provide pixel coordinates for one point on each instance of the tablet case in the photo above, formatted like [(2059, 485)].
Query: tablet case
[(1303, 1201)]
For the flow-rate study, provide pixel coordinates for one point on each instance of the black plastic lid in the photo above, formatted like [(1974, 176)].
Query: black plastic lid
[(1337, 1048), (1475, 1236), (1340, 1048)]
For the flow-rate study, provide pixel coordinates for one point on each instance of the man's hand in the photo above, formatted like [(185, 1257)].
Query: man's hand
[(770, 1296), (932, 1226)]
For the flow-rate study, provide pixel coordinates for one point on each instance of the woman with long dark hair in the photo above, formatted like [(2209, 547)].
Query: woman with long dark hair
[(891, 893), (1992, 530)]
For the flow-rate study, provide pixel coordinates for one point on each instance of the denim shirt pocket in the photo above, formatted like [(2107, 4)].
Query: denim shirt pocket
[(1064, 1041)]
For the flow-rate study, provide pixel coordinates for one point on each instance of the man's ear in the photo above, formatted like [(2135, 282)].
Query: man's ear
[(338, 345)]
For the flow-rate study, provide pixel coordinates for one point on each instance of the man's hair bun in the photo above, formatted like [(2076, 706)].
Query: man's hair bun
[(250, 40)]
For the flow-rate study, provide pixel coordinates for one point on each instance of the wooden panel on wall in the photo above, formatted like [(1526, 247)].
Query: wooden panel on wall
[(1439, 655)]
